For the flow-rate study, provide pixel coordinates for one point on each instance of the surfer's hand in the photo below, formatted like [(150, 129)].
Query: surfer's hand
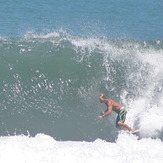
[(102, 113), (100, 117)]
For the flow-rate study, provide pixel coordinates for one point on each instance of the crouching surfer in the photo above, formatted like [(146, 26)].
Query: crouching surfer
[(119, 109)]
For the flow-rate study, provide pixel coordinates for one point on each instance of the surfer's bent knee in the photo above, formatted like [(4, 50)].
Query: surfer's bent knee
[(119, 124)]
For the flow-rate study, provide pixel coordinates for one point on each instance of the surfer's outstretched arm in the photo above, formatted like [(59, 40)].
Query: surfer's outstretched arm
[(106, 112), (102, 113)]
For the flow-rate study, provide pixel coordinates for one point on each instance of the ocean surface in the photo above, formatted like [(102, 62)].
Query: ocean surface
[(57, 57)]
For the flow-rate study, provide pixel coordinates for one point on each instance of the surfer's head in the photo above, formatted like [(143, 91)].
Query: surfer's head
[(102, 97)]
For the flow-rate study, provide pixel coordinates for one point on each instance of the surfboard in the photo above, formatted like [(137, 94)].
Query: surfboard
[(135, 132)]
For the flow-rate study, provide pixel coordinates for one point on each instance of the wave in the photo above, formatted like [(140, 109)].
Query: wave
[(50, 84)]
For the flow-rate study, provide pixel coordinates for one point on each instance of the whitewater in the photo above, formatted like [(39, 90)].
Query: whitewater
[(44, 149)]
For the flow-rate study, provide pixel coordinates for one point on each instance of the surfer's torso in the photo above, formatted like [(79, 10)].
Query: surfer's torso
[(115, 106)]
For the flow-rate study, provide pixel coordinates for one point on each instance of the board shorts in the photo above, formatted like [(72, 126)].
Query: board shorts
[(121, 116)]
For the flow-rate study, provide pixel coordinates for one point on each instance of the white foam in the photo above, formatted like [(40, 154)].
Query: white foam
[(44, 149), (145, 82), (32, 35)]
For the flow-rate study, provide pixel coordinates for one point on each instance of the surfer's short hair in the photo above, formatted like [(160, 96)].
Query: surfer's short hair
[(102, 96)]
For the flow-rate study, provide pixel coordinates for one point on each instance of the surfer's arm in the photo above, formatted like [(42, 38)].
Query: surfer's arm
[(106, 112)]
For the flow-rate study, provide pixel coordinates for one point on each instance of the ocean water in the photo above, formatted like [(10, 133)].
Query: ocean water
[(56, 57)]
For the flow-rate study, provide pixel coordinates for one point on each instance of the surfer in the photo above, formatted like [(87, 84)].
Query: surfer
[(119, 109)]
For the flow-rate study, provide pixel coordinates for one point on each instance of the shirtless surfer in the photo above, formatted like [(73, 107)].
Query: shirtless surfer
[(119, 109)]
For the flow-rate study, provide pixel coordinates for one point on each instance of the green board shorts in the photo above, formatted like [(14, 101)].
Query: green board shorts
[(121, 116)]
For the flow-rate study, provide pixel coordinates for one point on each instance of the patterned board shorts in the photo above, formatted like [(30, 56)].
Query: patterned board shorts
[(121, 116)]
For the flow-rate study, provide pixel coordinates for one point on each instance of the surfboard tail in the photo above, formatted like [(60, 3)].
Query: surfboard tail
[(135, 131)]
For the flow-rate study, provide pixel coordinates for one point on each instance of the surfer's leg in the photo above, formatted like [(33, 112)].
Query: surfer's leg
[(124, 126), (121, 119)]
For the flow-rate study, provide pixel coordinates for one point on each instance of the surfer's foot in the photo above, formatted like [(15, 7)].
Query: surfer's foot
[(134, 131)]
